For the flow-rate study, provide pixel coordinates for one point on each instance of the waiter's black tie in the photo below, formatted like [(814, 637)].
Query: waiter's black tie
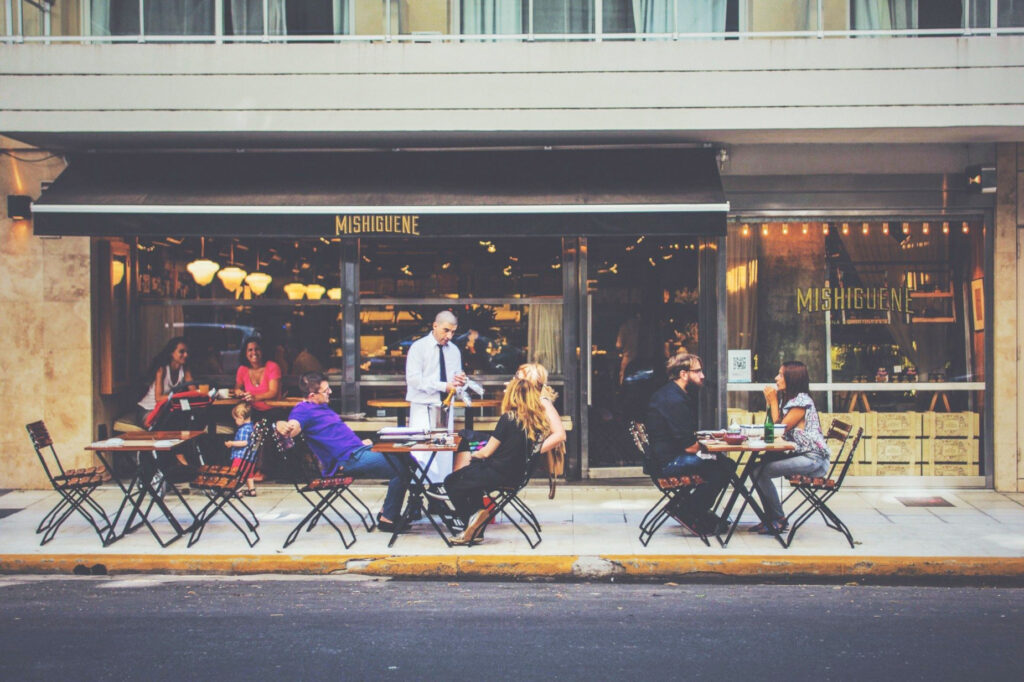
[(444, 371)]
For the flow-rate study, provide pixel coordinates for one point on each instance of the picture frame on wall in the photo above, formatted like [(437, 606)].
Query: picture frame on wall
[(978, 304)]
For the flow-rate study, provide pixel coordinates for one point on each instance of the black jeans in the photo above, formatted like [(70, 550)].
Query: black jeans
[(467, 486)]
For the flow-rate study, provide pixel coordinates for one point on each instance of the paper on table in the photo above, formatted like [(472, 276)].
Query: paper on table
[(166, 443), (109, 443)]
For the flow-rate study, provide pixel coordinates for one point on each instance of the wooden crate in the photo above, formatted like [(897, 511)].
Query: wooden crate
[(940, 450), (894, 469), (741, 416), (952, 424), (893, 424), (952, 469), (884, 450), (855, 419)]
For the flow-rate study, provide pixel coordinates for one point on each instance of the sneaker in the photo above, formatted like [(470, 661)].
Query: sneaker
[(437, 492)]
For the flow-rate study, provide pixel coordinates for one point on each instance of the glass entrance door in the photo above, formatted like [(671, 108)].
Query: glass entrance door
[(643, 301)]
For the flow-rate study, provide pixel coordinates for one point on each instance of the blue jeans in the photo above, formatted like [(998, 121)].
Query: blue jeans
[(715, 472), (365, 463), (798, 464)]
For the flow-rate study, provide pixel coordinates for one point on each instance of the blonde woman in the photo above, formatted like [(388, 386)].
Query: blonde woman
[(524, 427)]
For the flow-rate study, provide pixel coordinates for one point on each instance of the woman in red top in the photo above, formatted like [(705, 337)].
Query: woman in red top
[(256, 380)]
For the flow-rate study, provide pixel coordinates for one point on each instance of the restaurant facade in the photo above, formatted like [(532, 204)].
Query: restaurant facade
[(886, 261)]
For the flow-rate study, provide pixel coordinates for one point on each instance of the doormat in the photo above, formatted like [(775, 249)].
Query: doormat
[(925, 502), (8, 512)]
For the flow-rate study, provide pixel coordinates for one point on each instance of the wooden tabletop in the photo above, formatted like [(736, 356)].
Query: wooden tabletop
[(134, 441), (712, 445), (388, 402), (277, 402)]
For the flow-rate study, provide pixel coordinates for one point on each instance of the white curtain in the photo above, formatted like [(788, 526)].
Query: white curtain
[(492, 17), (247, 17), (545, 335), (562, 16), (653, 16), (883, 14), (701, 16)]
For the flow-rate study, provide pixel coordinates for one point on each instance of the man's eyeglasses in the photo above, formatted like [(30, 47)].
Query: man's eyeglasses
[(326, 390), (699, 370)]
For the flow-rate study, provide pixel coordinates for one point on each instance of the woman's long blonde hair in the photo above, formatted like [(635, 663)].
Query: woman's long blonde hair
[(522, 400)]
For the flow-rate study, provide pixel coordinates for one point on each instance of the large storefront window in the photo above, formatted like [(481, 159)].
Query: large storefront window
[(285, 290), (889, 318), (506, 293)]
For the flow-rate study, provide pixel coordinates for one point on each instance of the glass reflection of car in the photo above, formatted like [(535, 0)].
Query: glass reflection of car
[(215, 348)]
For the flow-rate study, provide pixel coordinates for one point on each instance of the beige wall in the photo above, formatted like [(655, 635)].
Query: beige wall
[(1006, 313), (781, 91), (45, 334)]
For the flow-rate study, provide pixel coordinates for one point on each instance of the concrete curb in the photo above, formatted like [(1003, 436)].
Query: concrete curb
[(537, 567)]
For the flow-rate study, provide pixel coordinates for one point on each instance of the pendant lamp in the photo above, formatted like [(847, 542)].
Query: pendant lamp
[(202, 269)]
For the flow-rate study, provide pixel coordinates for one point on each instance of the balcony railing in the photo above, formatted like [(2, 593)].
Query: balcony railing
[(247, 21)]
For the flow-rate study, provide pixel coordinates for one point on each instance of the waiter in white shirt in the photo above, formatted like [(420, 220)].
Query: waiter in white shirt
[(433, 368)]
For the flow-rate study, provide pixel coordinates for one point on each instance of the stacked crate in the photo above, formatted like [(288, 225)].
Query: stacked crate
[(950, 445), (894, 447)]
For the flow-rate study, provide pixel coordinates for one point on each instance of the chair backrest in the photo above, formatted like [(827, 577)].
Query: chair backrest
[(638, 432), (42, 442), (299, 458), (841, 431), (260, 430)]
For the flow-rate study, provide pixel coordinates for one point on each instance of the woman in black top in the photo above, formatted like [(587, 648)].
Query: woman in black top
[(523, 428)]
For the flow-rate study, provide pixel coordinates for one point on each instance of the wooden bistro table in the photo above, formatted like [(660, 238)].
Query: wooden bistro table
[(415, 471), (755, 453), (141, 494), (402, 407)]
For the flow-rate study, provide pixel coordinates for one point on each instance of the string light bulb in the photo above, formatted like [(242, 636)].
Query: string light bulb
[(965, 228), (906, 228), (804, 228), (746, 230), (885, 228), (864, 228), (945, 228), (785, 228), (764, 230), (824, 228), (925, 228), (846, 228)]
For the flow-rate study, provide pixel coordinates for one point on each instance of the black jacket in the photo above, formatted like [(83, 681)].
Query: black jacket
[(671, 426)]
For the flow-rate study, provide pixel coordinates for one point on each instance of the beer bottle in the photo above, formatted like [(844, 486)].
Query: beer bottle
[(769, 427)]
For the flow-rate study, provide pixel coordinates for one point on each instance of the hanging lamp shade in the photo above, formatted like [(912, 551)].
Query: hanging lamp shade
[(315, 292), (334, 293), (116, 272), (294, 290), (202, 270), (231, 277), (258, 282)]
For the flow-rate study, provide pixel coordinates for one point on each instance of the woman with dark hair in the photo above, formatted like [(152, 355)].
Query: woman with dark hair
[(167, 374), (803, 428), (257, 380)]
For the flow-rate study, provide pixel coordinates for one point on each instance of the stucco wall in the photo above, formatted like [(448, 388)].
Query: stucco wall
[(920, 90), (46, 361)]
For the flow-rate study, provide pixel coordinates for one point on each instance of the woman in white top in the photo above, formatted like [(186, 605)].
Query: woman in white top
[(168, 374), (790, 404)]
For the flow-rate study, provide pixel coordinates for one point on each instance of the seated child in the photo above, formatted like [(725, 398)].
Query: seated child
[(242, 413)]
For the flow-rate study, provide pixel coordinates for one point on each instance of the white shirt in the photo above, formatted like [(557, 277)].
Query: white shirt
[(423, 370)]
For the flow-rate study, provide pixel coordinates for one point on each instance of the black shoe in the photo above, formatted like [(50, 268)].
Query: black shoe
[(416, 512), (439, 508), (710, 524), (389, 526)]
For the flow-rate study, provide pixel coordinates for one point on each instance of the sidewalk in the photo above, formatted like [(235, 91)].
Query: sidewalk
[(589, 532)]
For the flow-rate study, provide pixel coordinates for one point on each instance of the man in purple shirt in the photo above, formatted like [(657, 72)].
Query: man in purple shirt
[(339, 450)]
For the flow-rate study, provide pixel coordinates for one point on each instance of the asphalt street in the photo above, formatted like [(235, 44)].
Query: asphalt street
[(264, 627)]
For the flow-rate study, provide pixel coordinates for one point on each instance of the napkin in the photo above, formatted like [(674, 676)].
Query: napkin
[(166, 443)]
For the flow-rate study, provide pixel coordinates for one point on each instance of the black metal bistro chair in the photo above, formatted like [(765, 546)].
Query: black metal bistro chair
[(818, 490), (321, 492), (507, 497), (188, 410), (75, 487), (673, 490), (221, 484)]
